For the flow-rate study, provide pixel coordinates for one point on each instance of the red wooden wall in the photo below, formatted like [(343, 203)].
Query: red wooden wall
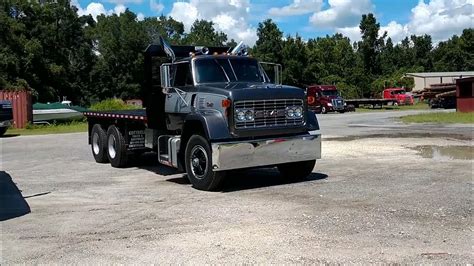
[(22, 106)]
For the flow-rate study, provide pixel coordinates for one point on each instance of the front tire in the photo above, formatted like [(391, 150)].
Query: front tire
[(3, 130), (324, 110), (296, 171), (116, 148), (198, 161), (98, 144)]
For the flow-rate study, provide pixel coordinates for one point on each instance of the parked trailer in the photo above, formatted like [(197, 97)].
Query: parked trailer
[(371, 102), (213, 112)]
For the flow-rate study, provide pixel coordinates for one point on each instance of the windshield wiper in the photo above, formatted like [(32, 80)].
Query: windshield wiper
[(222, 68)]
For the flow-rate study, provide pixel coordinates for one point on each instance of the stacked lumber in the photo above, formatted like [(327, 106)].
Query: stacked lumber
[(439, 90)]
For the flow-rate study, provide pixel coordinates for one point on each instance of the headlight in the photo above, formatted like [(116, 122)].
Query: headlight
[(294, 112), (249, 115), (244, 115), (298, 111), (240, 115), (329, 104)]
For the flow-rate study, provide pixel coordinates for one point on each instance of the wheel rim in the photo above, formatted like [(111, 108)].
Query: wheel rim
[(111, 146), (198, 161), (323, 110), (95, 143)]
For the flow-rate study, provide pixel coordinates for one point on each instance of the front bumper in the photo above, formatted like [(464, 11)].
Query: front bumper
[(6, 123), (266, 152)]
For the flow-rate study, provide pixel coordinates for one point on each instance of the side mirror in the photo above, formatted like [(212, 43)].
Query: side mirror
[(165, 76), (275, 69), (278, 74)]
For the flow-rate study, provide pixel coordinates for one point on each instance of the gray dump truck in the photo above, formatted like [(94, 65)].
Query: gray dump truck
[(208, 110)]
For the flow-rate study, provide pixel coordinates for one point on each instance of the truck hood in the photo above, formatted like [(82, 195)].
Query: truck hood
[(237, 91)]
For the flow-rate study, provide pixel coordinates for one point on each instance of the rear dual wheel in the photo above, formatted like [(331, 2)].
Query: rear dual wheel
[(116, 147), (109, 146), (98, 140)]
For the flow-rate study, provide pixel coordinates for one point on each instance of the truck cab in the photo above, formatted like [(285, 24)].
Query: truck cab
[(208, 111), (325, 98), (399, 94)]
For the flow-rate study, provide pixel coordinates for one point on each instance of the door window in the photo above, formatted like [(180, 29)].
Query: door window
[(182, 75)]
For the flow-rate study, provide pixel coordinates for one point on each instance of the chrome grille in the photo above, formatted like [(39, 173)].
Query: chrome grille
[(337, 103), (269, 113)]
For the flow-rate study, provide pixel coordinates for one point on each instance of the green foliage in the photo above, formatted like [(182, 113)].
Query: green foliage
[(269, 44), (47, 48), (203, 33), (111, 104)]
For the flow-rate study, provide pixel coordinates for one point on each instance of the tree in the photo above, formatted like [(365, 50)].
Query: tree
[(455, 54), (294, 58), (119, 43), (203, 33), (269, 44), (167, 27), (371, 43)]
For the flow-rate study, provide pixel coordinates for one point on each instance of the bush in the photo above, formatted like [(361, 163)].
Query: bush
[(111, 104)]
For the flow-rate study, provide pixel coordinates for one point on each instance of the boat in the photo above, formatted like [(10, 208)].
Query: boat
[(58, 111)]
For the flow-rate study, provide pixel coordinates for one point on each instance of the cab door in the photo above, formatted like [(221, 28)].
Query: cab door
[(178, 97)]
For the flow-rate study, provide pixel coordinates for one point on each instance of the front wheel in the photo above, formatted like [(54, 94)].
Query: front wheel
[(324, 110), (198, 161), (296, 171), (3, 130)]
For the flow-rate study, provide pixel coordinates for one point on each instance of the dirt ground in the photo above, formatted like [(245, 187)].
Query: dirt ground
[(370, 199)]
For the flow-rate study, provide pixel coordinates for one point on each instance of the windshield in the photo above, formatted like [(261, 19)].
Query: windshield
[(399, 92), (330, 93), (227, 70)]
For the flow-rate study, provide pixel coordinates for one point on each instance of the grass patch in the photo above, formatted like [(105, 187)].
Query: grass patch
[(441, 118), (70, 127), (417, 106)]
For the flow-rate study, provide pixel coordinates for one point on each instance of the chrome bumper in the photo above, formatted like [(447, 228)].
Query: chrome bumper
[(5, 123), (236, 155)]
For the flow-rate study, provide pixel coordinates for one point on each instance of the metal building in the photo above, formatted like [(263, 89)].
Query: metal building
[(425, 79)]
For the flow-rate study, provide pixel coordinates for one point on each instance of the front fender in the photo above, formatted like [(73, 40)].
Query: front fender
[(312, 121), (213, 122)]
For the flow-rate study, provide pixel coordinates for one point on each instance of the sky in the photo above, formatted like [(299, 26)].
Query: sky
[(239, 19)]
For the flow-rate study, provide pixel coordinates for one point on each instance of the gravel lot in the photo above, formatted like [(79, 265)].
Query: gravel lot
[(372, 198)]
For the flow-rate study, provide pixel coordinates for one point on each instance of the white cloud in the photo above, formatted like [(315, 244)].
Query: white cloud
[(352, 32), (123, 2), (95, 9), (156, 7), (439, 18), (297, 7), (229, 16), (140, 16), (341, 13), (119, 9)]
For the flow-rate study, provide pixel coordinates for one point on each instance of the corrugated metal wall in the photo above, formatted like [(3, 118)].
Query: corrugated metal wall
[(22, 106)]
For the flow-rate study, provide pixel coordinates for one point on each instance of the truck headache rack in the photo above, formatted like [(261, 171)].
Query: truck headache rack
[(157, 50)]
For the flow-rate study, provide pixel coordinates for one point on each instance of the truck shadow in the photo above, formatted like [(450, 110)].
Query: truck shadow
[(263, 177), (236, 180), (12, 202), (252, 179)]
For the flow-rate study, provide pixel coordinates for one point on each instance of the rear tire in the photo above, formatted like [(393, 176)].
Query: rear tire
[(98, 144), (296, 171), (3, 130), (116, 148), (198, 162)]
